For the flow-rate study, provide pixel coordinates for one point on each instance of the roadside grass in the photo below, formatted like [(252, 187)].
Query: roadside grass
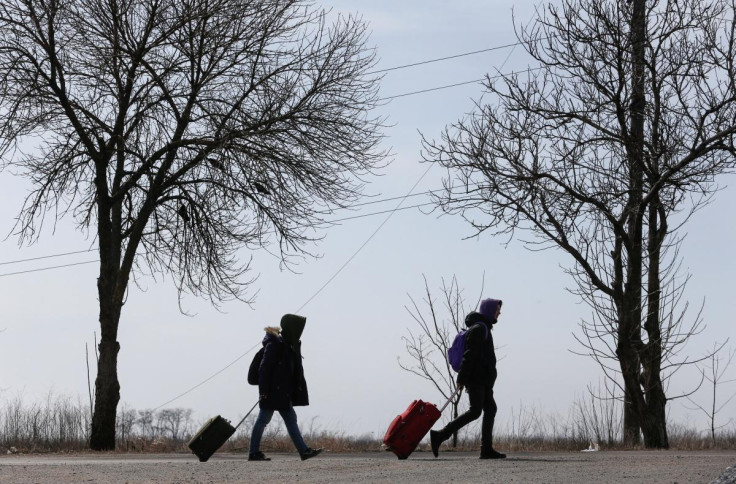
[(60, 424)]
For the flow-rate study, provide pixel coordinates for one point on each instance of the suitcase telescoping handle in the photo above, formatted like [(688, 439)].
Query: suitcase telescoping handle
[(449, 400), (249, 412)]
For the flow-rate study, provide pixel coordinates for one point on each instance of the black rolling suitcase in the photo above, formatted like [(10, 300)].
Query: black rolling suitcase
[(212, 435)]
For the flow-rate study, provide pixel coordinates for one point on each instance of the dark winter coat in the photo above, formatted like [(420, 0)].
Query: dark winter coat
[(281, 382), (479, 359)]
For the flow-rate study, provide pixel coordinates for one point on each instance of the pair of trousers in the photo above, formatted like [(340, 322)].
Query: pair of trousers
[(481, 401), (264, 417)]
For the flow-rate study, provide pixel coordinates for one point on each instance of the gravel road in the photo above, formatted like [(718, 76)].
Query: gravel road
[(547, 467)]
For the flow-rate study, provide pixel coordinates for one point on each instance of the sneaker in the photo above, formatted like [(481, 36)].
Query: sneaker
[(258, 456), (493, 455), (309, 453), (435, 440)]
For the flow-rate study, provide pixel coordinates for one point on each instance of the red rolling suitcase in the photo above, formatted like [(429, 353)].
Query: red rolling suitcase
[(409, 428)]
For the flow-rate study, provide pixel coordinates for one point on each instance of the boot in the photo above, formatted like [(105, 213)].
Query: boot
[(436, 438), (492, 455), (258, 456), (309, 453)]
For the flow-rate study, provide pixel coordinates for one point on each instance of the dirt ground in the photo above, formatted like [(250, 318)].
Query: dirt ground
[(547, 467)]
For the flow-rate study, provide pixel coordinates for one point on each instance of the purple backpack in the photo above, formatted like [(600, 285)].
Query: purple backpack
[(455, 353)]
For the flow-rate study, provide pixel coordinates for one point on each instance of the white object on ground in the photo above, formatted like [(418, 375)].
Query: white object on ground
[(593, 447)]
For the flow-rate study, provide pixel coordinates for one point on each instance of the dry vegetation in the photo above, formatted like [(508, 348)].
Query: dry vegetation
[(60, 424)]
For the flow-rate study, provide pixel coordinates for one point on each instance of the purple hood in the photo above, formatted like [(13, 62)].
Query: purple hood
[(488, 308)]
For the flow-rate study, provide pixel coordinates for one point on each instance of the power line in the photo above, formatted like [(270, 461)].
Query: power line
[(97, 260), (382, 212), (440, 59), (362, 204), (49, 268), (530, 69), (366, 242), (474, 81), (513, 45), (45, 257), (209, 378)]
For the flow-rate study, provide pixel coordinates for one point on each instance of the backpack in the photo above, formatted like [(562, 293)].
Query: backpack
[(455, 353), (255, 365)]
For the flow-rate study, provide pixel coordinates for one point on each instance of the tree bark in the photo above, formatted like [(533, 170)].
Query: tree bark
[(630, 312), (111, 286), (644, 388), (107, 386), (656, 434), (630, 370)]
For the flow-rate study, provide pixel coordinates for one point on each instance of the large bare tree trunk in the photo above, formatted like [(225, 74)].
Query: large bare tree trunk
[(107, 389), (107, 386), (629, 335), (110, 289), (629, 363), (631, 422), (656, 433), (645, 401)]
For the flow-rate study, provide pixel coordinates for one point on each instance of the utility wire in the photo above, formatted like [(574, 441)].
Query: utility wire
[(362, 204), (474, 81), (97, 260), (440, 59), (381, 212), (210, 377), (49, 268), (366, 242), (45, 257)]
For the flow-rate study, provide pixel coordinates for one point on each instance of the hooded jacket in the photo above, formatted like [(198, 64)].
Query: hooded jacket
[(281, 381), (478, 366)]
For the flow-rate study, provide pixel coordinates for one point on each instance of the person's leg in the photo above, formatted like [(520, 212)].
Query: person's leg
[(475, 397), (489, 416), (264, 416), (289, 416)]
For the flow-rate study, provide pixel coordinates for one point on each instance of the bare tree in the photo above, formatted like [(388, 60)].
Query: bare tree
[(427, 348), (175, 422), (145, 422), (599, 414), (124, 423), (604, 150), (713, 370), (177, 132)]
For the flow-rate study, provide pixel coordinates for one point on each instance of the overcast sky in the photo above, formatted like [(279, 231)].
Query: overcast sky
[(355, 324)]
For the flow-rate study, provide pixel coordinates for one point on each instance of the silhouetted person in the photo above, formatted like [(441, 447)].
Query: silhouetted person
[(477, 375), (281, 385)]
